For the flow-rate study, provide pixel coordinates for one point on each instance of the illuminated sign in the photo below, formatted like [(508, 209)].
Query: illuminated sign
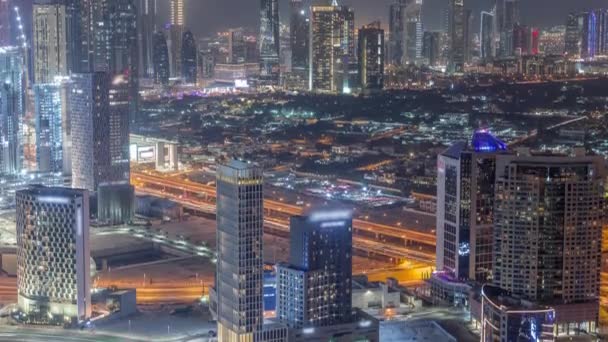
[(330, 215)]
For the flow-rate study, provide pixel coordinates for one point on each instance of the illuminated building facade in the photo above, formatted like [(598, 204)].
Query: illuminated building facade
[(50, 41), (574, 35), (549, 212), (236, 46), (300, 31), (465, 205), (508, 318), (160, 59), (53, 255), (49, 112), (332, 48), (396, 29), (5, 24), (176, 32), (317, 282), (11, 110), (240, 268), (268, 42), (431, 47), (371, 56)]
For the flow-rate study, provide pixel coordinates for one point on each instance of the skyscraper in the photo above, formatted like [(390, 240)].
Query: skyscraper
[(487, 36), (160, 59), (371, 56), (236, 46), (50, 41), (268, 42), (508, 16), (332, 48), (240, 229), (100, 130), (299, 38), (189, 54), (146, 19), (320, 261), (53, 255), (396, 29), (176, 32), (73, 35), (414, 31), (465, 202), (574, 35), (430, 47), (49, 113), (457, 36), (549, 214), (12, 92)]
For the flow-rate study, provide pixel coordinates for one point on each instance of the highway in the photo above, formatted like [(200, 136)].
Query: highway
[(369, 237)]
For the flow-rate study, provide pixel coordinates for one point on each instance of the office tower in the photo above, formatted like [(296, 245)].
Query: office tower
[(12, 94), (51, 119), (299, 38), (549, 213), (594, 33), (574, 35), (268, 42), (486, 36), (465, 201), (240, 273), (371, 56), (508, 12), (73, 35), (123, 50), (53, 255), (413, 31), (189, 58), (332, 48), (49, 41), (146, 21), (431, 47), (98, 108), (552, 41), (468, 35), (115, 203), (457, 36), (176, 32), (5, 27), (320, 262), (236, 46), (160, 59), (396, 29)]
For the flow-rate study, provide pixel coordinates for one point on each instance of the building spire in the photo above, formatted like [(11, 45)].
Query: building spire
[(334, 2)]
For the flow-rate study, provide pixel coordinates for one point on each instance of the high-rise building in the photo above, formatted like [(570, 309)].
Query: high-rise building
[(5, 23), (240, 273), (457, 36), (487, 36), (53, 255), (465, 202), (574, 35), (12, 94), (320, 262), (236, 46), (50, 116), (549, 213), (73, 35), (268, 43), (430, 47), (189, 55), (507, 15), (552, 41), (160, 59), (414, 31), (98, 109), (299, 38), (49, 41), (146, 19), (176, 32), (396, 29), (332, 48), (594, 33), (371, 56)]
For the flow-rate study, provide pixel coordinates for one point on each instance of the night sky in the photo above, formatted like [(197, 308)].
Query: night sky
[(207, 16)]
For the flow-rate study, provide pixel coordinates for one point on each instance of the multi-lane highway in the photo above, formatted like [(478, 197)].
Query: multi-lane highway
[(369, 237)]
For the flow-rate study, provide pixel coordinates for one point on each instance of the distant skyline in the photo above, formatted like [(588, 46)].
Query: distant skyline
[(205, 17)]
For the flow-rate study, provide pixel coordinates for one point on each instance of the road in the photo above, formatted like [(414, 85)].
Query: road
[(370, 237)]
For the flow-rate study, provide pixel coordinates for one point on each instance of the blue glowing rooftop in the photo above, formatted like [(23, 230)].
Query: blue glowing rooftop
[(484, 141)]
